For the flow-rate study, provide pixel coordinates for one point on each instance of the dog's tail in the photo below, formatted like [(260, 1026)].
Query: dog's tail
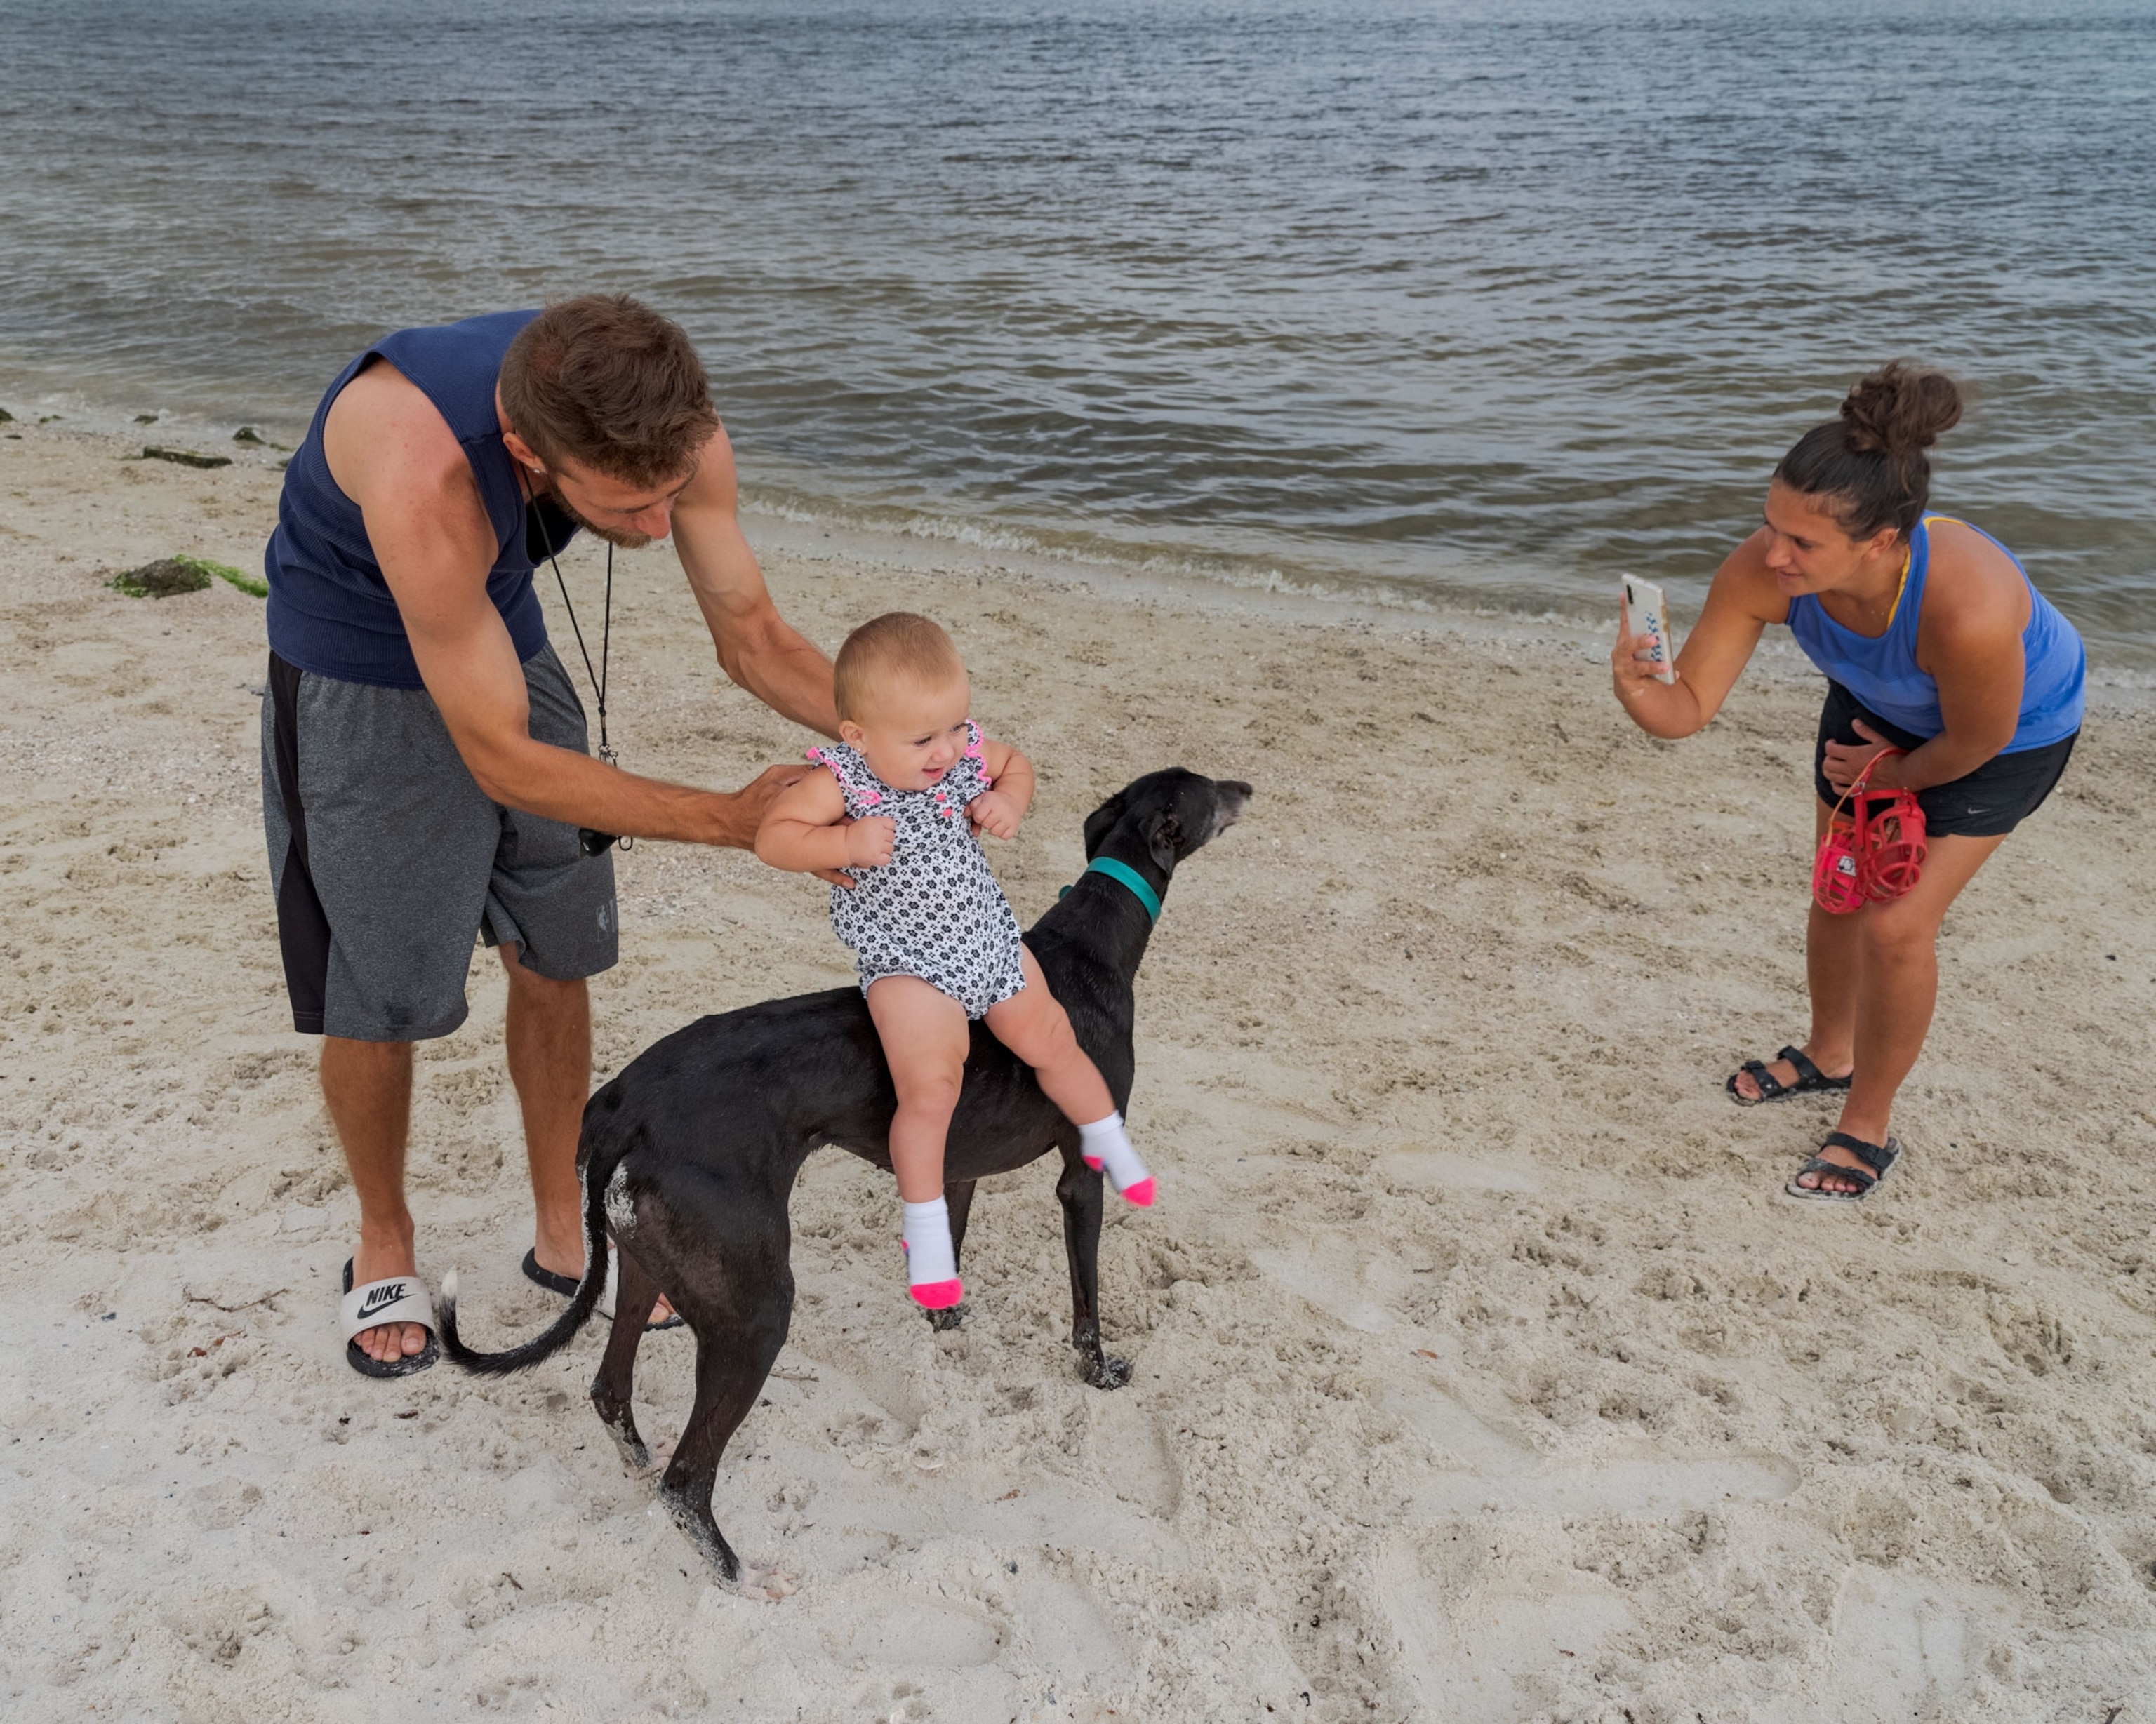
[(598, 1170)]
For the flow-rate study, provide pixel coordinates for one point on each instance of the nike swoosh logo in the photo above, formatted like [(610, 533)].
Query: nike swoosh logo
[(382, 1298)]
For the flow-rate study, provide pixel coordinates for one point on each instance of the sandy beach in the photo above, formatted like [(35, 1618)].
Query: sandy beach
[(1481, 1372)]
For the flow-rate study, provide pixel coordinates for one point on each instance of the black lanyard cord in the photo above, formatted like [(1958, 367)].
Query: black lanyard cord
[(606, 634), (593, 842)]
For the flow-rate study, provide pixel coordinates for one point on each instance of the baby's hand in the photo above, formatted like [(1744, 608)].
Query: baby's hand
[(869, 841), (993, 813)]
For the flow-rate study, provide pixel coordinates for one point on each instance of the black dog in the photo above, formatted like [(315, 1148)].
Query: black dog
[(689, 1155)]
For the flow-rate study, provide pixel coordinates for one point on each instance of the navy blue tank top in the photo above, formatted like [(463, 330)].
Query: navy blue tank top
[(329, 610)]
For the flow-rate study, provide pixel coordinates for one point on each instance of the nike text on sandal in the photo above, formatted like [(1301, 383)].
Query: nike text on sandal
[(1809, 1077), (566, 1285), (401, 1299), (1878, 1161)]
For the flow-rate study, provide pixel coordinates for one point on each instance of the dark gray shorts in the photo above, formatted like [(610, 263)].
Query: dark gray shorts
[(386, 857)]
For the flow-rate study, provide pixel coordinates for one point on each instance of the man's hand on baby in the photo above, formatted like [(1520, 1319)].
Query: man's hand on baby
[(993, 813), (869, 841)]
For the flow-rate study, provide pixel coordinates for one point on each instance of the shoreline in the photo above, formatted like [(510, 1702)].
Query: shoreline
[(828, 526), (1481, 1373)]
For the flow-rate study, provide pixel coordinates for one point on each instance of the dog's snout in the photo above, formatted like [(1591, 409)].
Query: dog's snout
[(1231, 797)]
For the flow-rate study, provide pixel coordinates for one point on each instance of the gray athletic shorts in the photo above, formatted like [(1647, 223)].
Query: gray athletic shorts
[(386, 857)]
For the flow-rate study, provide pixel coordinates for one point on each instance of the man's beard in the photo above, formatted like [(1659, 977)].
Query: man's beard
[(619, 536)]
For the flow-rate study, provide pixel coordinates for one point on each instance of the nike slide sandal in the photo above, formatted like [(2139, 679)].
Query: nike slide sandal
[(401, 1299)]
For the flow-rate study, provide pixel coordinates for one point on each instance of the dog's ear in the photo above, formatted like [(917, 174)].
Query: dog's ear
[(1101, 821), (1162, 835)]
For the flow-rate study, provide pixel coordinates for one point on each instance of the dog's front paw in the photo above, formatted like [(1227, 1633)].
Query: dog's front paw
[(1107, 1371)]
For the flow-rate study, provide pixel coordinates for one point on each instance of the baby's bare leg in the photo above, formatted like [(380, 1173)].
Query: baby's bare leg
[(1036, 1028), (924, 1040), (1033, 1026)]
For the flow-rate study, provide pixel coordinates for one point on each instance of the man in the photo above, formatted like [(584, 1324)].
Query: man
[(424, 771)]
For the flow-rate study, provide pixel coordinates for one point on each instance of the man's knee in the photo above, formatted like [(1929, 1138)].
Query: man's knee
[(531, 983), (342, 1053)]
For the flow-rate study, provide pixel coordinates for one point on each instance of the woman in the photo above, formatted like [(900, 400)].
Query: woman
[(1939, 653)]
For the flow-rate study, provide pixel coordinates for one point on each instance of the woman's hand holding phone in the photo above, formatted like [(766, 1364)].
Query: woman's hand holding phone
[(1643, 665), (1632, 660)]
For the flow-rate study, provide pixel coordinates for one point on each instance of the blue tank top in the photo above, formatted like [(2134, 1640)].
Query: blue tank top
[(329, 610), (1881, 671)]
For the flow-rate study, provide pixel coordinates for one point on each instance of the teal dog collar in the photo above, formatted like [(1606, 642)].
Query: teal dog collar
[(1129, 877)]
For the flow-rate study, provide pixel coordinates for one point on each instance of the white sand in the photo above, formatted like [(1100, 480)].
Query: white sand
[(1481, 1373)]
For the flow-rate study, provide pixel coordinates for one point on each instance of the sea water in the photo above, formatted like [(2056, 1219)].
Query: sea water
[(1424, 302)]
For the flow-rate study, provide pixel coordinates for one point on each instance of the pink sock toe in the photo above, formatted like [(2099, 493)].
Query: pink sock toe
[(1092, 1161), (1140, 1193), (938, 1296)]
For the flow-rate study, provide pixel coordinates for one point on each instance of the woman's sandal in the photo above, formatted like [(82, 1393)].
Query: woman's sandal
[(566, 1285), (400, 1299), (1877, 1161), (1809, 1077)]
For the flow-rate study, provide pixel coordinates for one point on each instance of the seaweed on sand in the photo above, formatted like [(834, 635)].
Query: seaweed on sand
[(171, 575)]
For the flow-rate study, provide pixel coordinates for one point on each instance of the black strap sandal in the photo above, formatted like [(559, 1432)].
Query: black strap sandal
[(566, 1285), (1878, 1159), (1809, 1077)]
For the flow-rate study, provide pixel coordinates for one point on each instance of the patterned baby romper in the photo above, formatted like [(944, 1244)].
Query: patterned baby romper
[(933, 911)]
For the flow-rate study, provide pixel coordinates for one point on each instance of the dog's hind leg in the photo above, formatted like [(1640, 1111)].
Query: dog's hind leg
[(733, 1358), (1079, 1191), (635, 1291)]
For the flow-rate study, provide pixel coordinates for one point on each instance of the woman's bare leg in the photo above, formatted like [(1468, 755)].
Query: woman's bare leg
[(1831, 969), (1897, 984)]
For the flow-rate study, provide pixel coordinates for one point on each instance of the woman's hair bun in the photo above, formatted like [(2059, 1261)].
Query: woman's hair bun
[(1899, 411)]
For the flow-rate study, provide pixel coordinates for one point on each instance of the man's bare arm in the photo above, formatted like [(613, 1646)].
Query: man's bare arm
[(390, 451), (757, 649)]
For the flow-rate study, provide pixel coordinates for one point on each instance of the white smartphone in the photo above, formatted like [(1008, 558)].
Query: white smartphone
[(1644, 613)]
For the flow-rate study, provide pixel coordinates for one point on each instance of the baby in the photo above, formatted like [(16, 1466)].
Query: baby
[(934, 939)]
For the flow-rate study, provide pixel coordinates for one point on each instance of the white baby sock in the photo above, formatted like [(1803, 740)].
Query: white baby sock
[(1104, 1144), (932, 1263)]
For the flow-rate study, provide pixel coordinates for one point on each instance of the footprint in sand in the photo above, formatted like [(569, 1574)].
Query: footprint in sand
[(1330, 1273), (1128, 1448), (1492, 1470), (1071, 1635), (881, 1626), (1904, 1647), (1488, 1637)]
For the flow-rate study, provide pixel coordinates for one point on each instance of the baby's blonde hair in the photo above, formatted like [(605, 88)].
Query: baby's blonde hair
[(896, 646)]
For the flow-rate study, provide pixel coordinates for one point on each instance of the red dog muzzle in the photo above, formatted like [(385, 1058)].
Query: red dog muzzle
[(1874, 853)]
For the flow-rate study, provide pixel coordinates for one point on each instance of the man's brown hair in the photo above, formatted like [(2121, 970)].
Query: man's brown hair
[(604, 380), (897, 645)]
